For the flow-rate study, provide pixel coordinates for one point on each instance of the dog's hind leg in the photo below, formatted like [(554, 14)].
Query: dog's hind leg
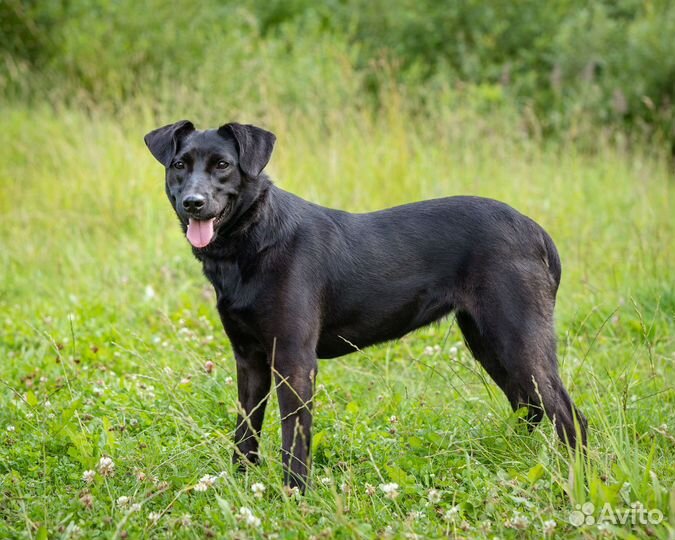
[(530, 357), (482, 351), (486, 354), (516, 346)]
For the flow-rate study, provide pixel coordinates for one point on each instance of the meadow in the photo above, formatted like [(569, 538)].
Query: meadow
[(117, 390), (108, 325)]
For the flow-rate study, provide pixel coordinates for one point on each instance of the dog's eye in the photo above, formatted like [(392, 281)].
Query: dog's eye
[(222, 165), (179, 165)]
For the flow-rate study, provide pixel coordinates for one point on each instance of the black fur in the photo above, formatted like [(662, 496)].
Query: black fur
[(296, 282)]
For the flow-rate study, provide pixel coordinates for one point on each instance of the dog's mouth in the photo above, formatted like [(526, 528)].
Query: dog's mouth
[(200, 232)]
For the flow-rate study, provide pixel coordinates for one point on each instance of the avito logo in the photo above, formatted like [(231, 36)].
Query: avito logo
[(637, 514)]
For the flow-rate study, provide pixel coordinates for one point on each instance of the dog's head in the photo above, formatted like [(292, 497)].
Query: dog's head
[(210, 175)]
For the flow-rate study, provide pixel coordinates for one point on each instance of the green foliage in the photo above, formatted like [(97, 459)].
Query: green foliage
[(569, 62)]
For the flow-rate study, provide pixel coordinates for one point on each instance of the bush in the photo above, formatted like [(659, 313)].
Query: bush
[(569, 62)]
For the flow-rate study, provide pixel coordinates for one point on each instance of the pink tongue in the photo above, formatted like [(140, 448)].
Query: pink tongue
[(200, 233)]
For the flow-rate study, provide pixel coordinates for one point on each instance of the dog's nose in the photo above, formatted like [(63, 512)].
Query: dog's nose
[(194, 203)]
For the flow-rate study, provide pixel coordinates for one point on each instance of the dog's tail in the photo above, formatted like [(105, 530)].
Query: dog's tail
[(552, 259)]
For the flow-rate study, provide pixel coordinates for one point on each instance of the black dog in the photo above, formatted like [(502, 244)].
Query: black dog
[(296, 282)]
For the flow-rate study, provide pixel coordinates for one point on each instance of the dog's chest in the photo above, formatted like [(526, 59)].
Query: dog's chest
[(233, 290), (235, 297), (225, 277)]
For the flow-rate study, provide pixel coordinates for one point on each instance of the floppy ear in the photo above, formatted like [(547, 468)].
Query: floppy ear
[(255, 146), (163, 141)]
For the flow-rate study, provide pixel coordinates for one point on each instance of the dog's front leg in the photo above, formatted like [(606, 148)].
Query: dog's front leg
[(254, 378), (295, 373)]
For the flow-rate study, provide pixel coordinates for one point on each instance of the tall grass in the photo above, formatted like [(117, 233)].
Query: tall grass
[(88, 183), (101, 297)]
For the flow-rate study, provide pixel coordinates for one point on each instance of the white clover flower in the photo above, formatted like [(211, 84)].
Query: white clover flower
[(326, 481), (154, 517), (451, 513), (123, 500), (185, 520), (208, 479), (549, 526), (72, 531), (11, 428), (87, 500), (453, 351), (88, 476), (48, 404), (390, 490), (393, 419), (258, 489), (136, 507), (345, 488), (434, 496), (370, 490), (291, 492), (149, 292), (205, 482), (106, 466), (520, 522), (229, 380), (428, 350), (415, 515), (247, 517)]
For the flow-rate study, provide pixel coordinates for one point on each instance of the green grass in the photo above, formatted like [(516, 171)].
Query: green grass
[(106, 324)]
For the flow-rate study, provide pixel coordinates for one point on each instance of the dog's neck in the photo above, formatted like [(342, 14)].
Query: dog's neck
[(257, 225)]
